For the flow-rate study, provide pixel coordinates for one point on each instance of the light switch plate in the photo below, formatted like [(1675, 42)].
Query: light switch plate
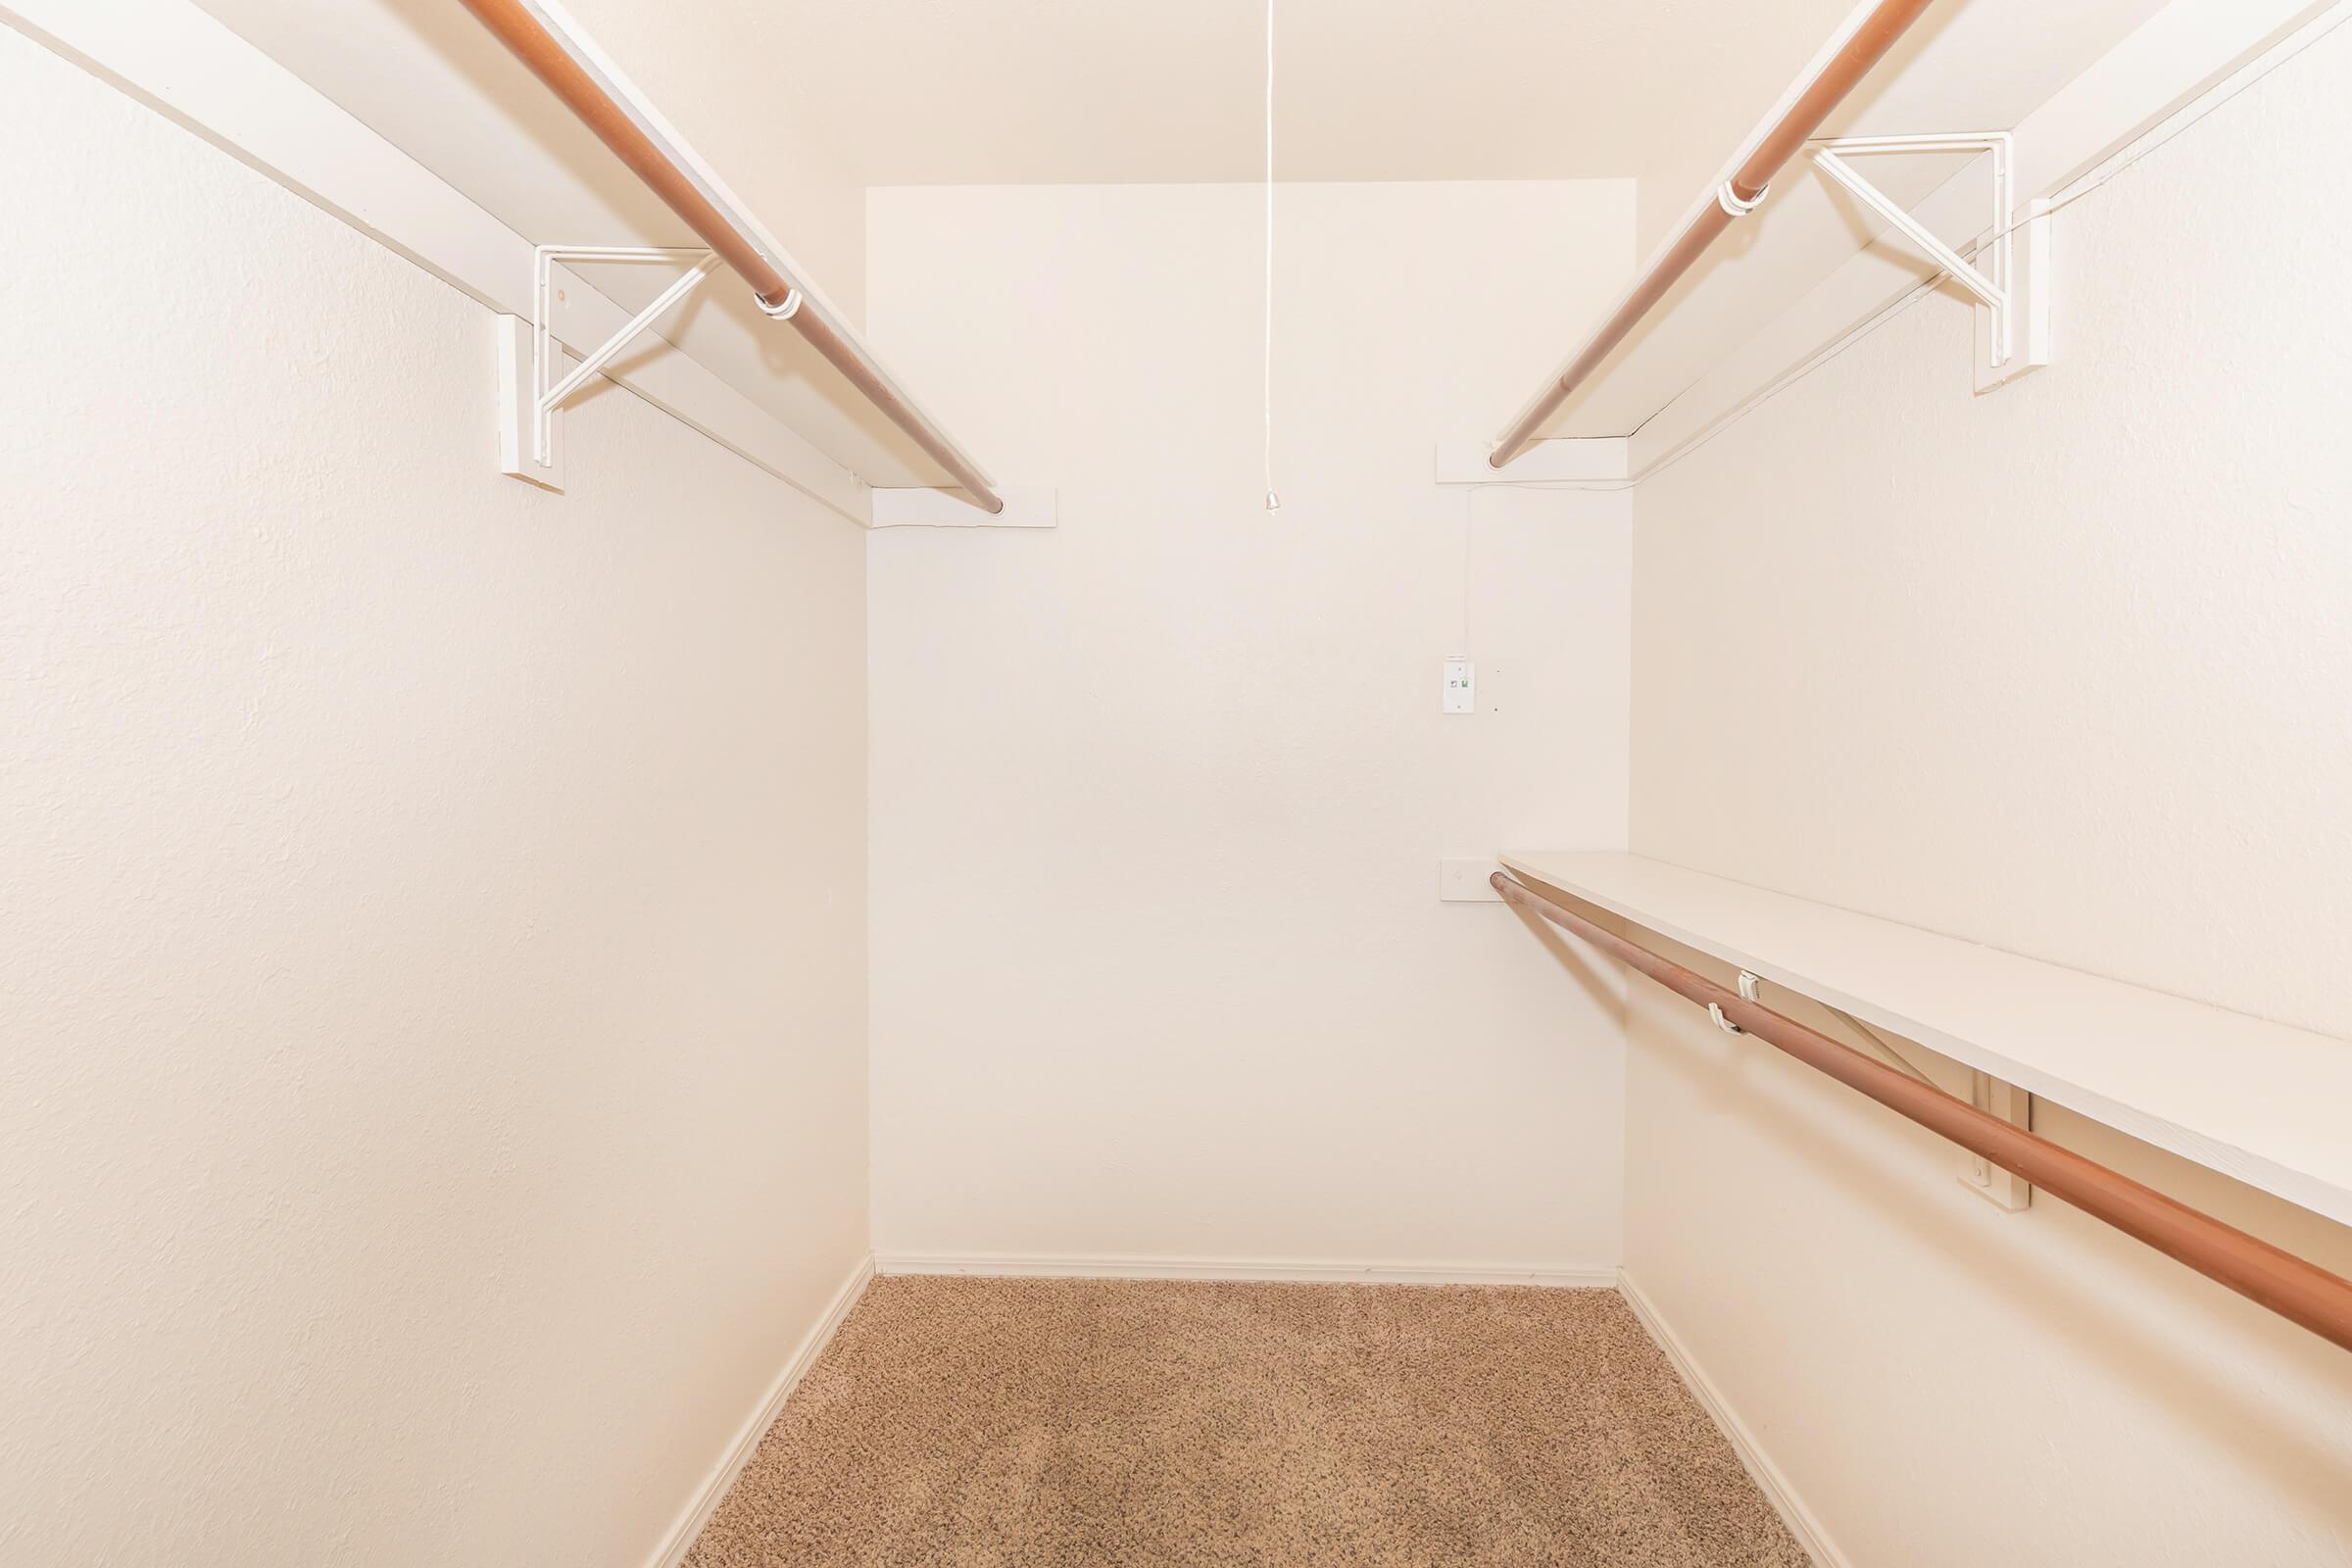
[(1465, 882)]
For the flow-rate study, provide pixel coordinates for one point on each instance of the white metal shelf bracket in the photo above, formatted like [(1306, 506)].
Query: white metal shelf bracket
[(2013, 290), (529, 443)]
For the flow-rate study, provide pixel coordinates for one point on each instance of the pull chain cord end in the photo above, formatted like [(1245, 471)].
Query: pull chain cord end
[(1273, 501)]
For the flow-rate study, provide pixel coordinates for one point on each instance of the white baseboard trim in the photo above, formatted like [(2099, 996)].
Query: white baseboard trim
[(715, 1485), (1801, 1521), (1091, 1267)]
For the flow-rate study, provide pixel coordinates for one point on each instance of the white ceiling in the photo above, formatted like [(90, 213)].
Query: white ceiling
[(1016, 91), (1022, 91)]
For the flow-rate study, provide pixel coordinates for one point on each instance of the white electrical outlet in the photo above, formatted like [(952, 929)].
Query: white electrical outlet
[(1461, 693)]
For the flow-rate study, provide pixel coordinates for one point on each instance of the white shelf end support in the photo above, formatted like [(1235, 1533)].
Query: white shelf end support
[(2000, 1188)]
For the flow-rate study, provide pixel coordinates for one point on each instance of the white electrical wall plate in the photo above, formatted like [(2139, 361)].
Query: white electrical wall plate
[(1459, 692)]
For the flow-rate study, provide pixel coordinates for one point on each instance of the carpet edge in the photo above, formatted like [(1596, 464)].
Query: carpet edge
[(1256, 1271), (721, 1478), (1800, 1519)]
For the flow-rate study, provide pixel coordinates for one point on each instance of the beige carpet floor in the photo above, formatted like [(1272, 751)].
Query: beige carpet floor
[(1082, 1423)]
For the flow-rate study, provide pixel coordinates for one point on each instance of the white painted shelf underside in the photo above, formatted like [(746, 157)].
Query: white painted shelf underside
[(2256, 1100)]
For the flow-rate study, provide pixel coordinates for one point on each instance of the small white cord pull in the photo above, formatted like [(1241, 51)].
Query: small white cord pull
[(1273, 501)]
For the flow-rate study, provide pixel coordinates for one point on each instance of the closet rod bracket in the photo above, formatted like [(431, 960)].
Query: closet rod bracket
[(2012, 288), (1751, 989), (529, 440)]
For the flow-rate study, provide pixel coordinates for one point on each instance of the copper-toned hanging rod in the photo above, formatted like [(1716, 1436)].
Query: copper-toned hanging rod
[(541, 42), (1864, 47), (2296, 1290)]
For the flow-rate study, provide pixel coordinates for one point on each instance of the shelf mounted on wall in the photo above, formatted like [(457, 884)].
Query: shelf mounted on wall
[(560, 54), (2252, 1099)]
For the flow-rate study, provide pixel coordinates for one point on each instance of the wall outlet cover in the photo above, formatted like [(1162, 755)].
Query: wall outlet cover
[(1459, 694)]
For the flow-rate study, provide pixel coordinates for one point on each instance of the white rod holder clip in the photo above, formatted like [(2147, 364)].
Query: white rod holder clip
[(1733, 206), (1751, 989)]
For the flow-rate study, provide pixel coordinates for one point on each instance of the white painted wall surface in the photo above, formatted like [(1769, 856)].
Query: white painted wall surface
[(2067, 670), (431, 1081), (1158, 968)]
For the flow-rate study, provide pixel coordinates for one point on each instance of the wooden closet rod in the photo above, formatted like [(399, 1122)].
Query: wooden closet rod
[(575, 77), (2296, 1290), (1864, 48)]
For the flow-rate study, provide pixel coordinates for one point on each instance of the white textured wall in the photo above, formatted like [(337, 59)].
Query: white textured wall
[(431, 1078), (1158, 797), (2066, 670)]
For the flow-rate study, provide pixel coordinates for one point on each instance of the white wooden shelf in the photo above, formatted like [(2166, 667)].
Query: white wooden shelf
[(1812, 264), (2260, 1101)]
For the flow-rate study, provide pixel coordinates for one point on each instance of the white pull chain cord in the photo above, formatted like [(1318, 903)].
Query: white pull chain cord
[(1273, 501)]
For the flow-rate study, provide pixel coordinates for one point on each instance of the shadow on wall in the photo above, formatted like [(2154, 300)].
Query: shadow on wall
[(2047, 1264), (1579, 965)]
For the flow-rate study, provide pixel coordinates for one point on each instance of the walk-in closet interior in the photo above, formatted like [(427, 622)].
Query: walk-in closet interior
[(1105, 784)]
